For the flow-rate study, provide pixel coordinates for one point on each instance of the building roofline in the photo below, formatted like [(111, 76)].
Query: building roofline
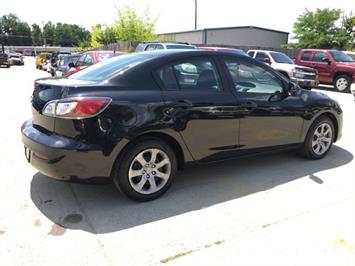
[(227, 28)]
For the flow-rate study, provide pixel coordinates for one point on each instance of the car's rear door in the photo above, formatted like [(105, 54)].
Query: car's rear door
[(268, 117), (201, 107)]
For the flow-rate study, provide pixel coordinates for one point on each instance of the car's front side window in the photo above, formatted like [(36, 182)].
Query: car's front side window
[(261, 56), (319, 57), (197, 74), (250, 78)]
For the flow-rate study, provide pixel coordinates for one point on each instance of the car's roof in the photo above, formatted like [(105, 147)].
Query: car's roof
[(313, 49), (101, 51), (160, 56), (265, 51)]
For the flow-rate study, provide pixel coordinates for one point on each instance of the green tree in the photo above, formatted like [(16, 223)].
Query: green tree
[(48, 33), (132, 27), (102, 35), (69, 34), (36, 34), (317, 29), (348, 26), (19, 33)]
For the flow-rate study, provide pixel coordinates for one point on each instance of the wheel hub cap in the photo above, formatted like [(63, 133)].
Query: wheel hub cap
[(149, 171), (322, 139), (341, 84)]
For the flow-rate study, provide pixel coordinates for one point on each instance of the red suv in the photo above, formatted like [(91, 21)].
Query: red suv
[(91, 58), (334, 67)]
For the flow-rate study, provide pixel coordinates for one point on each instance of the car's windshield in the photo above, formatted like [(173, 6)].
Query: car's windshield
[(281, 58), (108, 68), (341, 57), (177, 46)]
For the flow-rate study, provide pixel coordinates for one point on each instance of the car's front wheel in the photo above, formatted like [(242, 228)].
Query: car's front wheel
[(145, 170), (319, 139)]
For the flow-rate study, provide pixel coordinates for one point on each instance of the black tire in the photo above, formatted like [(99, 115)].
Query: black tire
[(8, 66), (120, 174), (307, 150), (342, 83)]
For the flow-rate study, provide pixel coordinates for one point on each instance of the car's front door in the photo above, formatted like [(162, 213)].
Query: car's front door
[(323, 67), (200, 106), (268, 115)]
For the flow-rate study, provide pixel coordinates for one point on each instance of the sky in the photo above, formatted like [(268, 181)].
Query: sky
[(172, 15)]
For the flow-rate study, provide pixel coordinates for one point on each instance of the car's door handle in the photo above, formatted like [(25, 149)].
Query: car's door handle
[(249, 104), (183, 103)]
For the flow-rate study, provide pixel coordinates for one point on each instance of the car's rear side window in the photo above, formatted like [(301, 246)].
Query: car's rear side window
[(198, 74), (306, 56)]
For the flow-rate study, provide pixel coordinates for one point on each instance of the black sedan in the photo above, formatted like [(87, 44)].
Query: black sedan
[(139, 118)]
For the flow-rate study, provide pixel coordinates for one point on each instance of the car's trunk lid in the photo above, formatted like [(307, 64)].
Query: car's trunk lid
[(47, 90)]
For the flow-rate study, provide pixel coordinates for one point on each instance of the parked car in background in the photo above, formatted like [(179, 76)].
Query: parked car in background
[(45, 64), (63, 64), (223, 49), (28, 52), (150, 46), (41, 59), (91, 58), (52, 66), (138, 118), (4, 60), (351, 54), (334, 67), (16, 59), (306, 77)]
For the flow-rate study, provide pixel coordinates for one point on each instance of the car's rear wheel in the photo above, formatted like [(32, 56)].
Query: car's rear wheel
[(145, 170), (342, 83), (319, 139)]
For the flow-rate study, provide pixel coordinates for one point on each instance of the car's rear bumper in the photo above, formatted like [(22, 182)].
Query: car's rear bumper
[(64, 158)]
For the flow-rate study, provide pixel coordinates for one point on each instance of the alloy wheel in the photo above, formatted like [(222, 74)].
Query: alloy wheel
[(149, 171), (341, 84), (322, 139)]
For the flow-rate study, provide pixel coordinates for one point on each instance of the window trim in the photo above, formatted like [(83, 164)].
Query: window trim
[(171, 64)]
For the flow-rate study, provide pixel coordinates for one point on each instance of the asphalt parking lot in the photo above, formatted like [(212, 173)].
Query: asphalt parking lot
[(273, 210)]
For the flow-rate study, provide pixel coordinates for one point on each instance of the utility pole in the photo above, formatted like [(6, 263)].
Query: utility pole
[(195, 14), (43, 35), (3, 39)]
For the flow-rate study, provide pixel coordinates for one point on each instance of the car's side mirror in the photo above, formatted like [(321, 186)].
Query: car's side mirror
[(277, 96), (71, 65), (326, 60), (267, 61), (293, 89)]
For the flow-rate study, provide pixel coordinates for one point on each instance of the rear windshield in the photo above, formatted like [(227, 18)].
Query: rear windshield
[(104, 56), (341, 57), (281, 58), (174, 46), (111, 67)]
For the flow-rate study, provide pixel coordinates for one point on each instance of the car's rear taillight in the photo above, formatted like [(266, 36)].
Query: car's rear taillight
[(76, 108)]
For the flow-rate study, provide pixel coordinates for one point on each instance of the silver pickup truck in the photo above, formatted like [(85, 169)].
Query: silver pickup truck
[(306, 77)]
